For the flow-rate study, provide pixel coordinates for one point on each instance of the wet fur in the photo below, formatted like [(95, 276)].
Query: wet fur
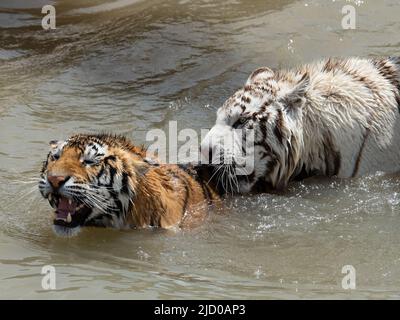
[(335, 117), (136, 191)]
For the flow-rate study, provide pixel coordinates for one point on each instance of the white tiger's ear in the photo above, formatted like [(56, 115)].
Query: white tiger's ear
[(263, 73), (297, 97)]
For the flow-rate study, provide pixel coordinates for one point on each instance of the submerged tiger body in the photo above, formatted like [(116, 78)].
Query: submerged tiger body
[(335, 117), (106, 181)]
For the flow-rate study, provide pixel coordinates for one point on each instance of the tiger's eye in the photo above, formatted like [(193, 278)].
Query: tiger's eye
[(88, 162)]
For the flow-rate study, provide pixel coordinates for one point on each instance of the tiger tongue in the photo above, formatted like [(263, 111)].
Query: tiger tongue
[(66, 206)]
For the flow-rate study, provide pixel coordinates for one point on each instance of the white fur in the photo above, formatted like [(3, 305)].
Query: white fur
[(336, 106)]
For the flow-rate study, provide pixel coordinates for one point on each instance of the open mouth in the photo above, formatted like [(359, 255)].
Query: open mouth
[(69, 213)]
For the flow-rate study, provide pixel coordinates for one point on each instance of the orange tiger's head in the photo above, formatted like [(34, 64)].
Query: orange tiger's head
[(90, 180)]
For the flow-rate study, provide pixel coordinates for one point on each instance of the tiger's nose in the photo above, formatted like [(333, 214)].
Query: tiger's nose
[(57, 181)]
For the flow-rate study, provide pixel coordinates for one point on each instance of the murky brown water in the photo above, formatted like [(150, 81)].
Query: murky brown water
[(129, 66)]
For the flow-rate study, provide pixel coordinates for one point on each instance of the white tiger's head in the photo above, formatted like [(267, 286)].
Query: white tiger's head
[(269, 108)]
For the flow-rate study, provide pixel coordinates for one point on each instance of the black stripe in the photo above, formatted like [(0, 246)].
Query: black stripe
[(45, 164), (396, 83), (124, 183), (358, 160), (114, 194), (110, 158), (332, 157), (185, 203), (278, 126), (101, 172)]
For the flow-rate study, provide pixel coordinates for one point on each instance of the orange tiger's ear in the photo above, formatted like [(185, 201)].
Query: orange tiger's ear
[(53, 143)]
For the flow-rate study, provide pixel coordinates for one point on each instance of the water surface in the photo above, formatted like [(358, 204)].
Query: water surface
[(130, 66)]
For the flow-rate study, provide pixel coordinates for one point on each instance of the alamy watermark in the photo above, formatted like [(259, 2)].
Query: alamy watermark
[(49, 20), (49, 277), (349, 280), (235, 148), (349, 18)]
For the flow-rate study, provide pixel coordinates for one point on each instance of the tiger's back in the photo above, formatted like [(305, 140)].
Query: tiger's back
[(354, 112)]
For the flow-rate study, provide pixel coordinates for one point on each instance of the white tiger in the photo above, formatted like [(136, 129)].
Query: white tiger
[(336, 117)]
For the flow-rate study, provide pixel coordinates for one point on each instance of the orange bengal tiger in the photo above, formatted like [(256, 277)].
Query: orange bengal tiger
[(105, 181)]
